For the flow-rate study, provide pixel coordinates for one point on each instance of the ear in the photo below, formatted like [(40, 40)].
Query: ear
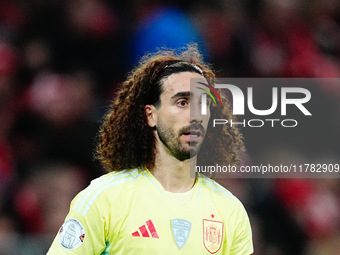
[(151, 115)]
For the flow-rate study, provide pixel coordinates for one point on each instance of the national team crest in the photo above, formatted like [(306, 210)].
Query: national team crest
[(212, 235), (180, 230)]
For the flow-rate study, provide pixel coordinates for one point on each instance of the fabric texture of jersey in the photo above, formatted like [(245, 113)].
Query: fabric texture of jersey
[(129, 212)]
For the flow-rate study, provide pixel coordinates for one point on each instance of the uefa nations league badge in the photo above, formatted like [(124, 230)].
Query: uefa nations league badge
[(180, 231), (71, 234)]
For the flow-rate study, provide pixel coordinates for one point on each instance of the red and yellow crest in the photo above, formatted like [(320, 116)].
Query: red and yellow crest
[(212, 235)]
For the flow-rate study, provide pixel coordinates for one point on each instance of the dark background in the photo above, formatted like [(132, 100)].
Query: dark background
[(62, 61)]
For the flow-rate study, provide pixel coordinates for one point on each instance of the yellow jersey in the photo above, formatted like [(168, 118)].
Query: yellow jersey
[(129, 212)]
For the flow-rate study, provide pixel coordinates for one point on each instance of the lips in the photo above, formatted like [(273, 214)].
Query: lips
[(193, 133), (192, 136)]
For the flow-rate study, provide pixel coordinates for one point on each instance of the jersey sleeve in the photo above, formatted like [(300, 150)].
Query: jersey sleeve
[(85, 228), (243, 242)]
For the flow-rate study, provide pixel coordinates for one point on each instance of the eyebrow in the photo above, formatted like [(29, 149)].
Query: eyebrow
[(182, 94)]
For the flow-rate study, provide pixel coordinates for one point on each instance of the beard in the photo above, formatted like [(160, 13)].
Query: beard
[(172, 142)]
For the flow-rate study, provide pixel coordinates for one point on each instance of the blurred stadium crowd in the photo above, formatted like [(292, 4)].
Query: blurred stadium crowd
[(61, 62)]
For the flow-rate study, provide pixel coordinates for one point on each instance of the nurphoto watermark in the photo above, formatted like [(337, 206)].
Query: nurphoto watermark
[(274, 108)]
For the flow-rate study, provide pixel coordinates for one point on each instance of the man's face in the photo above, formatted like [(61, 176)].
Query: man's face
[(180, 125)]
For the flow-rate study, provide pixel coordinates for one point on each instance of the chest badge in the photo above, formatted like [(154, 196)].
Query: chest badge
[(212, 235), (180, 231)]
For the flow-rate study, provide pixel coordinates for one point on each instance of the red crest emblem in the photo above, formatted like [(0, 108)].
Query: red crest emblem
[(212, 235)]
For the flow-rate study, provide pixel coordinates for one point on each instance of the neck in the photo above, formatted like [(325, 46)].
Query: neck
[(173, 174)]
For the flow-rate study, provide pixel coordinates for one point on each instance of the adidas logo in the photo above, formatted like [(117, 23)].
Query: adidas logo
[(146, 231)]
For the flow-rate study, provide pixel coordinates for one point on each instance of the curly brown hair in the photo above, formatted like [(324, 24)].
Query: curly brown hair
[(125, 139)]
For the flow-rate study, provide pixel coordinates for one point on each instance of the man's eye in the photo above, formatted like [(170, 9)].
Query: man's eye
[(182, 103)]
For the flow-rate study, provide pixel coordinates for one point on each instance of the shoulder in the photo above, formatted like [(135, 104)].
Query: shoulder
[(220, 193), (114, 179), (105, 188), (234, 211)]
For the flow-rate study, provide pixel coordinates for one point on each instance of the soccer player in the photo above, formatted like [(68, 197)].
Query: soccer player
[(148, 203)]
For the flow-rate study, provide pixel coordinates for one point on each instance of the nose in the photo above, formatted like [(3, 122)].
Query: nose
[(195, 114)]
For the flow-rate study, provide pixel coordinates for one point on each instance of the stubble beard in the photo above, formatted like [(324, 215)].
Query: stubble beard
[(172, 142)]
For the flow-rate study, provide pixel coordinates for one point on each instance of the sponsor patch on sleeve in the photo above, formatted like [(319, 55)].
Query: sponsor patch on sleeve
[(71, 234)]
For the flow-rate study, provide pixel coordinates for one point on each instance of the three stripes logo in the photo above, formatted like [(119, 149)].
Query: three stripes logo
[(204, 97), (147, 230)]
